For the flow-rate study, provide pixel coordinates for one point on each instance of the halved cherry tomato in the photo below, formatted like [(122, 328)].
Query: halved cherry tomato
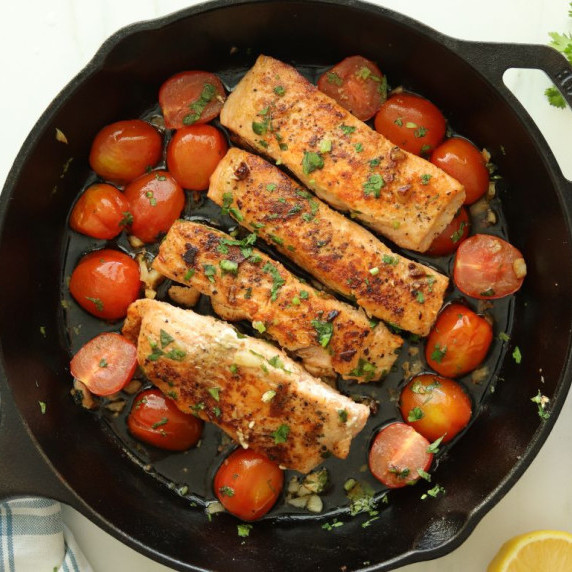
[(122, 151), (105, 364), (464, 162), (191, 97), (458, 342), (397, 455), (248, 484), (487, 267), (455, 232), (435, 406), (193, 154), (357, 85), (156, 201), (101, 211), (412, 122), (155, 419), (105, 282)]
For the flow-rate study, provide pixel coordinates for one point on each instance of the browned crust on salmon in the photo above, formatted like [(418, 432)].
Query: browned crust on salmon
[(337, 251), (297, 316), (400, 195), (251, 390)]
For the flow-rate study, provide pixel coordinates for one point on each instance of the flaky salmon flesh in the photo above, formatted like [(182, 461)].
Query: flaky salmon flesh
[(245, 284), (251, 390), (336, 250), (278, 113)]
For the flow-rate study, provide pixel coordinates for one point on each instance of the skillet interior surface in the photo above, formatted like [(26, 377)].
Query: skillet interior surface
[(123, 83)]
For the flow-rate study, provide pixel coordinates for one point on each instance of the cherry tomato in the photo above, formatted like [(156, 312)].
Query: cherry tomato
[(101, 211), (435, 406), (123, 151), (356, 84), (458, 342), (105, 364), (191, 97), (156, 201), (411, 122), (397, 455), (193, 154), (248, 484), (105, 282), (464, 162), (455, 232), (155, 419), (488, 267)]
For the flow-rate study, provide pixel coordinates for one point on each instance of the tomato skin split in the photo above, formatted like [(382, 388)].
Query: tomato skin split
[(248, 484), (356, 84), (435, 406), (487, 267), (155, 419), (397, 455), (458, 342), (105, 364)]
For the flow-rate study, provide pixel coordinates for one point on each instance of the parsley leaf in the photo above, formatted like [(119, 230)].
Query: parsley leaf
[(312, 161), (374, 185), (278, 281), (438, 353), (325, 330), (281, 434)]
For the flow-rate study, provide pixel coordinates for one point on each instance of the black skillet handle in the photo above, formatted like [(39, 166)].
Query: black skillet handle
[(493, 59), (24, 470)]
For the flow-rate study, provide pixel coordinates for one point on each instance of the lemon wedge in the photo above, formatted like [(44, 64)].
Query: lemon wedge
[(536, 551)]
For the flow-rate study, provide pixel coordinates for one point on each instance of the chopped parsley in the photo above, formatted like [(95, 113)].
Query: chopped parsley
[(304, 294), (334, 78), (197, 107), (176, 354), (260, 127), (127, 219), (374, 271), (210, 271), (325, 146), (415, 414), (189, 274), (276, 239), (259, 326), (488, 293), (425, 179), (347, 129), (151, 197), (331, 525), (324, 331), (233, 368), (438, 353), (103, 362), (389, 259), (271, 187), (434, 447), (229, 267), (504, 337), (424, 475), (243, 530), (358, 147), (281, 434), (420, 297), (374, 185), (312, 161), (434, 492), (215, 393), (420, 132), (542, 401), (226, 491), (159, 423), (98, 303), (398, 122), (268, 395), (343, 415), (279, 90), (278, 281), (363, 369), (458, 234), (43, 406), (517, 356), (165, 338)]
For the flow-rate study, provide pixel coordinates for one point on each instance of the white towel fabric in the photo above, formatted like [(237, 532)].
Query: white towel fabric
[(33, 537)]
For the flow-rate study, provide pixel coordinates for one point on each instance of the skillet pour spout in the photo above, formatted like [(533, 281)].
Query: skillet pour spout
[(76, 457)]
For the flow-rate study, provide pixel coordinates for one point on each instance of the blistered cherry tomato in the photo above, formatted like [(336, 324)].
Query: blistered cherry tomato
[(356, 84), (248, 484), (488, 267), (455, 232), (458, 342), (123, 150), (155, 419), (464, 162), (398, 454), (411, 122), (191, 97), (102, 211), (156, 201), (105, 364), (193, 154), (105, 282), (435, 406)]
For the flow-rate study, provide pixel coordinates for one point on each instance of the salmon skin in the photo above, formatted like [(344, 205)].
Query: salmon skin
[(337, 251), (254, 392), (245, 284), (278, 113)]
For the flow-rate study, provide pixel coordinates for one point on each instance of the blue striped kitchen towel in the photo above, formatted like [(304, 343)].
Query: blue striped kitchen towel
[(33, 537)]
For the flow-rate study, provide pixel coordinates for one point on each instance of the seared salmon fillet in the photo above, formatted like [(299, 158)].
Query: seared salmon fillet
[(245, 284), (277, 112), (337, 251), (254, 392)]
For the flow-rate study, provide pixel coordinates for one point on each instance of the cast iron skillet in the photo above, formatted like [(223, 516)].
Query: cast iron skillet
[(68, 455)]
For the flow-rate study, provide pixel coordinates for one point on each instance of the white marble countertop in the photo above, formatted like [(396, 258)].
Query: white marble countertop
[(45, 43)]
